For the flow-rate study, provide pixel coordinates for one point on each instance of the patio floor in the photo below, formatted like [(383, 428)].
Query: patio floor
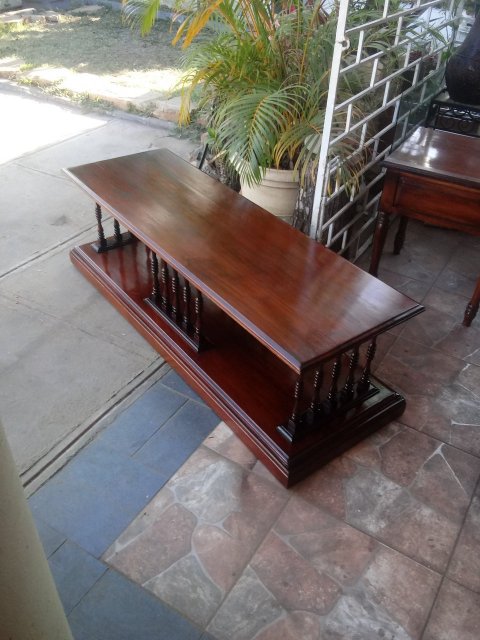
[(166, 526)]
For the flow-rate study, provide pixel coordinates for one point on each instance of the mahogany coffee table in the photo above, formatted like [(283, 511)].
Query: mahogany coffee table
[(273, 330)]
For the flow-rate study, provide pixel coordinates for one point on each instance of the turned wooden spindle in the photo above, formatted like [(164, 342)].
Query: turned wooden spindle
[(186, 306), (117, 233), (102, 243), (175, 295), (317, 385), (348, 389), (164, 285), (333, 391), (364, 382), (197, 330), (155, 281), (297, 399)]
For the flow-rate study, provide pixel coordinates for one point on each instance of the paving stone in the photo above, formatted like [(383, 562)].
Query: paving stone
[(465, 564), (248, 609), (391, 600), (187, 587), (191, 543), (224, 441), (292, 579), (332, 547), (413, 368), (405, 488), (456, 614)]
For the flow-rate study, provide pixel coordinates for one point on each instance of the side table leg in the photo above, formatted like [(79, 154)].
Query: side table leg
[(472, 306), (400, 235), (378, 242)]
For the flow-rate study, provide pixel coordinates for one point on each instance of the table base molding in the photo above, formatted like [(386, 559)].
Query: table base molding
[(255, 397)]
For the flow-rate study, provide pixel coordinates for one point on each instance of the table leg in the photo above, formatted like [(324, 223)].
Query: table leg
[(400, 235), (378, 241), (472, 306)]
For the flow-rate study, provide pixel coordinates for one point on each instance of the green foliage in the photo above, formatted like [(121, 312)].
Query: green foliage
[(263, 76)]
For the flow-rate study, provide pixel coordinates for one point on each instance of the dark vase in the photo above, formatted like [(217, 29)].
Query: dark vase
[(462, 74)]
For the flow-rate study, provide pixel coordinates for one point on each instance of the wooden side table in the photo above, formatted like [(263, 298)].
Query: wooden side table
[(434, 176)]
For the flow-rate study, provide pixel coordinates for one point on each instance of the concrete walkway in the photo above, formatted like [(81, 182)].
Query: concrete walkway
[(68, 360)]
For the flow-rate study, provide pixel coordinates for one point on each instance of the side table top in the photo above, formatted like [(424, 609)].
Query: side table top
[(441, 154), (299, 299)]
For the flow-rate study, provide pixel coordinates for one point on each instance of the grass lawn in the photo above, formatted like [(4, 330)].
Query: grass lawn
[(99, 44), (96, 46)]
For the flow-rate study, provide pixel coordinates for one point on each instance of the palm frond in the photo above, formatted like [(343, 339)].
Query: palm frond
[(248, 127), (141, 14)]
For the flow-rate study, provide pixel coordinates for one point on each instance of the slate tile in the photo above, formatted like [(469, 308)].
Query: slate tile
[(446, 302), (191, 543), (405, 488), (391, 601), (173, 381), (382, 508), (96, 496), (418, 260), (51, 539), (117, 609), (170, 447), (134, 426), (75, 571), (463, 342), (295, 582), (456, 614), (465, 563), (453, 282), (414, 368), (414, 289), (464, 261), (333, 548), (431, 326), (248, 609), (224, 441)]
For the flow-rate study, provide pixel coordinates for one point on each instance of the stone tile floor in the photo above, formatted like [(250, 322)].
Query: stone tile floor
[(167, 527)]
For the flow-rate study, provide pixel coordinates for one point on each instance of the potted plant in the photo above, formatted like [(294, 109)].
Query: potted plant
[(260, 72), (266, 73)]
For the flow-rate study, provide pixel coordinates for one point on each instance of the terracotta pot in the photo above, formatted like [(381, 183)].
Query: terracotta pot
[(277, 193), (462, 74)]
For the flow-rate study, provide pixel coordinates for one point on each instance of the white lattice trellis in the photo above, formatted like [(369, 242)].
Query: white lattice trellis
[(420, 32)]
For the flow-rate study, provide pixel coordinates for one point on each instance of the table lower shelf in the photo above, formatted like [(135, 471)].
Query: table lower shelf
[(247, 385)]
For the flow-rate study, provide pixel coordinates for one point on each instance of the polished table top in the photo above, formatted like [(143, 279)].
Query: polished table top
[(433, 152), (296, 297)]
